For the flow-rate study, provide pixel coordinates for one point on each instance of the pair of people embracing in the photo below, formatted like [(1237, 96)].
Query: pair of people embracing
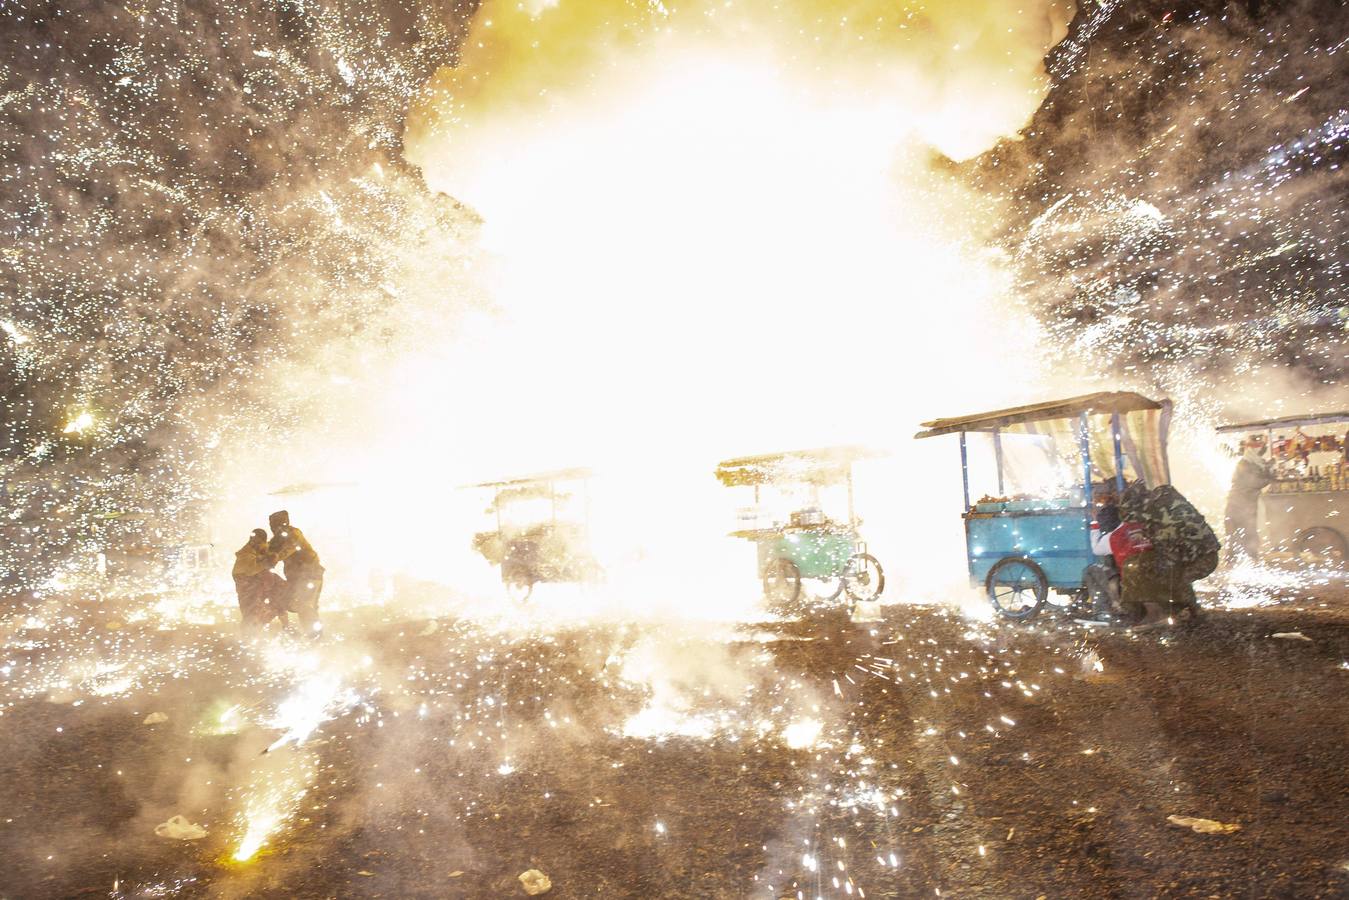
[(1156, 545), (265, 596)]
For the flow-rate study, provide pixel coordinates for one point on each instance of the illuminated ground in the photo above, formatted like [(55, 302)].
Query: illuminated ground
[(918, 755)]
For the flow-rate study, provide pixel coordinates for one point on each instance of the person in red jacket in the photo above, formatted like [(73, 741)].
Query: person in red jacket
[(1120, 585), (1123, 541)]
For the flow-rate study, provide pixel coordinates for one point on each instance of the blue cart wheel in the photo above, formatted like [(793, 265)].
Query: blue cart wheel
[(1017, 587)]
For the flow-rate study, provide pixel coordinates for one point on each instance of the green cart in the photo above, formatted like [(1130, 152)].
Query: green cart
[(804, 557)]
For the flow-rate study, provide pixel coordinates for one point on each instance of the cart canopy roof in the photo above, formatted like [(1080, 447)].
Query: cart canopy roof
[(542, 479), (310, 487), (1103, 403), (1287, 422), (824, 465)]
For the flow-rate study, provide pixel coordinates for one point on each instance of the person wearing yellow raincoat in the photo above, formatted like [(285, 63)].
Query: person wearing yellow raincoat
[(261, 591), (304, 573)]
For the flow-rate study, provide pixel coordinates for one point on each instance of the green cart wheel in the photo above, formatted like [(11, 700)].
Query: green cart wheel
[(822, 590), (782, 586), (863, 577)]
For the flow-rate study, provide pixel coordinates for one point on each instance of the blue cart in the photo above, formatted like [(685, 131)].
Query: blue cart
[(1020, 547)]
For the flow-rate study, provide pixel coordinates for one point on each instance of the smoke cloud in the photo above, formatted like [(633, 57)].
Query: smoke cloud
[(957, 75), (172, 201), (704, 232), (1176, 212)]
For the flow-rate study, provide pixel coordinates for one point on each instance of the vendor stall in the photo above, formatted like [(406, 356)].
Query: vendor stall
[(542, 530), (1022, 543), (794, 537), (1304, 511)]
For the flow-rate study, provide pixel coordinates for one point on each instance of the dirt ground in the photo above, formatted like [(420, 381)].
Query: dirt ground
[(922, 755)]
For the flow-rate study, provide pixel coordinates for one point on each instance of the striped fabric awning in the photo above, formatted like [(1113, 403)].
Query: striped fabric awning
[(1143, 436)]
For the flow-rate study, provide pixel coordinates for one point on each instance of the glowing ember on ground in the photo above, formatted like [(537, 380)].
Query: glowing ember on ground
[(260, 825), (278, 783), (80, 424), (802, 734)]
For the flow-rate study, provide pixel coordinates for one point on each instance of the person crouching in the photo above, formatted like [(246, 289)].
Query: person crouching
[(1131, 548), (261, 591)]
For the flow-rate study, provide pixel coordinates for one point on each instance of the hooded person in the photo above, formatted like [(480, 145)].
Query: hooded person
[(1185, 549), (1241, 517), (304, 574), (261, 591)]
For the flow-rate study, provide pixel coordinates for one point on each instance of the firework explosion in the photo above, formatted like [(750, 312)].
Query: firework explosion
[(1192, 212), (352, 259)]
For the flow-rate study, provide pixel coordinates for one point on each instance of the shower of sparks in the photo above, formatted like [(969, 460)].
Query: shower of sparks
[(261, 821), (208, 246), (273, 799), (1160, 253), (318, 699)]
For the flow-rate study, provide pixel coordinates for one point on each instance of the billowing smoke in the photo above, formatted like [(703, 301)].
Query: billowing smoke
[(1177, 210), (238, 276), (1180, 196), (191, 197), (690, 231), (227, 282), (704, 232), (957, 75)]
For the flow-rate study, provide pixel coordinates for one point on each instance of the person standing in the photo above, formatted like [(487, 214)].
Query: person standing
[(304, 574), (1252, 475), (261, 591)]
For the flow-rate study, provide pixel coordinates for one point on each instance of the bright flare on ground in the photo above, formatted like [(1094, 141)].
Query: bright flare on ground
[(80, 424)]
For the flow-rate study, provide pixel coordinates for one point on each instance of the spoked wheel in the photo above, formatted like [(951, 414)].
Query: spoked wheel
[(1017, 587), (822, 590), (519, 591), (863, 577), (1324, 544), (782, 586)]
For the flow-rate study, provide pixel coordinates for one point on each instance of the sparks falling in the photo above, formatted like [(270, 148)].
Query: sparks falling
[(353, 259)]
